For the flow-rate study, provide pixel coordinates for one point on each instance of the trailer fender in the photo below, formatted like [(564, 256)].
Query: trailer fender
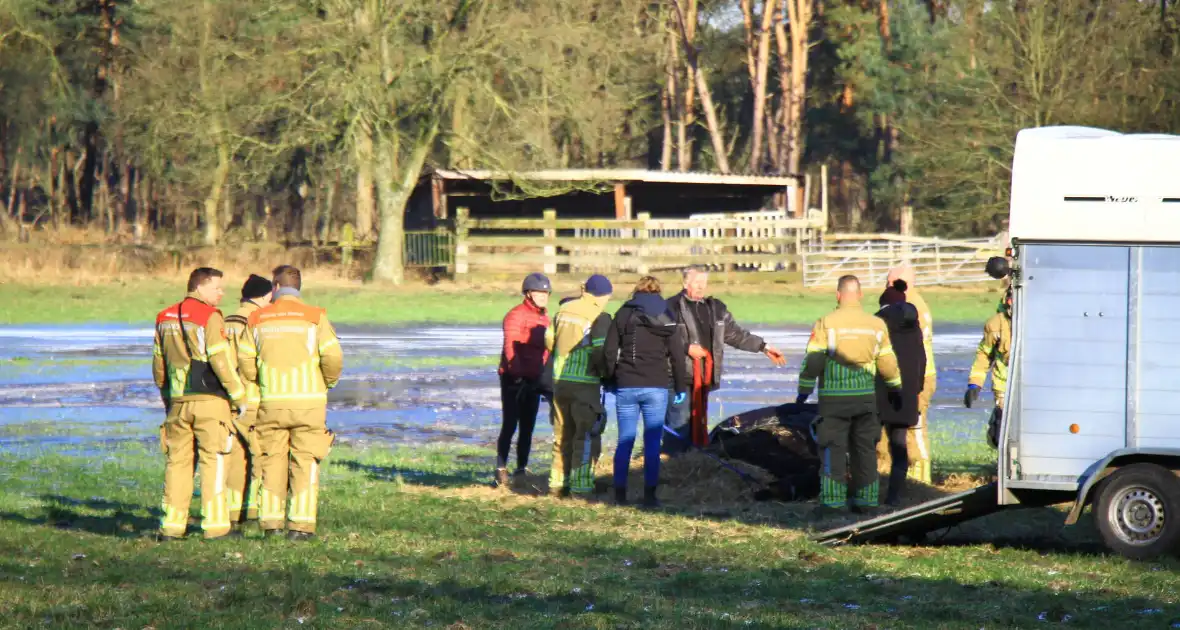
[(1167, 457)]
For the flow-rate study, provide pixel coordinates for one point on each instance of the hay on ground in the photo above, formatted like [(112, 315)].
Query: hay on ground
[(694, 480)]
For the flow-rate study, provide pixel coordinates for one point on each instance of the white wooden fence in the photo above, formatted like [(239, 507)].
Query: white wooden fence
[(871, 256)]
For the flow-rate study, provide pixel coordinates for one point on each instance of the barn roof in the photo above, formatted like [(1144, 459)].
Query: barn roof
[(620, 175)]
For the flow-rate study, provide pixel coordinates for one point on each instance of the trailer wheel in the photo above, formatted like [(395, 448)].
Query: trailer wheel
[(1138, 511)]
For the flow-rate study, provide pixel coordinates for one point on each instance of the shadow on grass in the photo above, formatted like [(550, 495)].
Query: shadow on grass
[(631, 586), (123, 520), (412, 476)]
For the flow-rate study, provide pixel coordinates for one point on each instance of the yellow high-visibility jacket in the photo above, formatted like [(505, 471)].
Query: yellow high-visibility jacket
[(189, 343), (993, 352), (291, 351), (847, 348), (235, 332), (926, 322)]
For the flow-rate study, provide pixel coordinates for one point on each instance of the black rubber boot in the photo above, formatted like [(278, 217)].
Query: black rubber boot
[(649, 497), (897, 481), (621, 495)]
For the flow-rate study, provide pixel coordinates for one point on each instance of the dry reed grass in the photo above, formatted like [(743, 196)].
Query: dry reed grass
[(85, 264)]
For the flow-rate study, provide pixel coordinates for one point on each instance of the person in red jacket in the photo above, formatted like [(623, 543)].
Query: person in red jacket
[(521, 363)]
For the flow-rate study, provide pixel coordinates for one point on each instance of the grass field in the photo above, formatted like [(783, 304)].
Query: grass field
[(137, 302), (413, 537)]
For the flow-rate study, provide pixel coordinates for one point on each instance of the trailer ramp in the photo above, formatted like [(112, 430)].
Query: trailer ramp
[(919, 519)]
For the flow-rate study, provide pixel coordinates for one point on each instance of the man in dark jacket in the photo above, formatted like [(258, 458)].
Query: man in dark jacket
[(521, 360), (708, 327), (903, 321)]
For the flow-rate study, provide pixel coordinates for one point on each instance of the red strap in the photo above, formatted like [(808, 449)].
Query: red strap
[(702, 373)]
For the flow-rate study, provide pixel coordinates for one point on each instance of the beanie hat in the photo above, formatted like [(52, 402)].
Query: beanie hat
[(894, 294), (599, 286), (255, 287)]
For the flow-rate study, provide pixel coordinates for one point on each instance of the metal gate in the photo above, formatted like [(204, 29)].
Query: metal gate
[(870, 258), (428, 249)]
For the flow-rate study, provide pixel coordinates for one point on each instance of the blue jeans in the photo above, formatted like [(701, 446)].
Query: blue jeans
[(652, 402)]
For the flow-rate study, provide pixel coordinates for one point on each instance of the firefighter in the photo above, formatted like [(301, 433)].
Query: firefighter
[(192, 368), (576, 340), (848, 348), (993, 352), (244, 476), (291, 352), (918, 436)]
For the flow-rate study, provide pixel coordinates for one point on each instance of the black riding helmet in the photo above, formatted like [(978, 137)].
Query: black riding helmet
[(997, 267), (536, 282)]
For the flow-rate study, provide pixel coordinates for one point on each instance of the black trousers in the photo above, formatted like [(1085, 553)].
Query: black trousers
[(848, 444), (899, 461), (519, 402)]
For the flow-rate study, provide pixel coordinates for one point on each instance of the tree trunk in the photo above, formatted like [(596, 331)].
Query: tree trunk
[(783, 57), (13, 187), (127, 190), (667, 105), (760, 84), (365, 204), (213, 199), (87, 177), (72, 167), (51, 186), (799, 15), (688, 107), (702, 86), (393, 195), (748, 28), (326, 209)]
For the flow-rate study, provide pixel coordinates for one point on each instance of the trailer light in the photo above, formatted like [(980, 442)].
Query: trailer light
[(1073, 428)]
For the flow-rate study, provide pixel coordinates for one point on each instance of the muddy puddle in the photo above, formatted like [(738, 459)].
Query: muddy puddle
[(77, 388)]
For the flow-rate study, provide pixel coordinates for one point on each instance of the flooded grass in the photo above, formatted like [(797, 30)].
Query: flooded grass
[(409, 537), (412, 534)]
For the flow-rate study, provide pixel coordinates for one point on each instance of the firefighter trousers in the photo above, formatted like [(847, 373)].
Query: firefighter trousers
[(244, 478), (848, 444), (575, 451), (202, 430), (292, 443)]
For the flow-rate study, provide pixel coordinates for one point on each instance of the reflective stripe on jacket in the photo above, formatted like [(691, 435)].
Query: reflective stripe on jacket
[(291, 351), (235, 331), (172, 365), (926, 321), (846, 350), (993, 352)]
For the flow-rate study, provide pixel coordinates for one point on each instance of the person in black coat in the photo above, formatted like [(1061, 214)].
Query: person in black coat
[(645, 357), (901, 318)]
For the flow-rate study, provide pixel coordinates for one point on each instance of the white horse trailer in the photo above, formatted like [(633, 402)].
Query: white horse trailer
[(1092, 410)]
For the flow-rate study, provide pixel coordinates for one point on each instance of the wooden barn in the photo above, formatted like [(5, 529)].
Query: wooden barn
[(594, 193)]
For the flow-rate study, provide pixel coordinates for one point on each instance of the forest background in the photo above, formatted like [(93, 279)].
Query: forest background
[(224, 122)]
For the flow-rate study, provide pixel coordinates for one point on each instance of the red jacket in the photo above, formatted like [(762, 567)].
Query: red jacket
[(524, 352)]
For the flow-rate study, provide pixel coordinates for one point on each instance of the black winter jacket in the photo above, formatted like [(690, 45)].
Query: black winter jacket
[(725, 332), (905, 333), (644, 347)]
